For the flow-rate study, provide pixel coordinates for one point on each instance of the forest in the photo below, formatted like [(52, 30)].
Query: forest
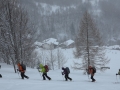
[(63, 22)]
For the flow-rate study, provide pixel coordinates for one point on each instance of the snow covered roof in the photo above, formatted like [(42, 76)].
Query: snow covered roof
[(38, 43), (51, 40), (68, 42), (112, 39)]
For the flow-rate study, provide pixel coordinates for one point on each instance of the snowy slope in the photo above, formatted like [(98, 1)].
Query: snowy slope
[(12, 81)]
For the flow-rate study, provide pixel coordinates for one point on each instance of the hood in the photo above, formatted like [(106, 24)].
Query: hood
[(41, 66), (18, 64), (90, 66), (63, 68)]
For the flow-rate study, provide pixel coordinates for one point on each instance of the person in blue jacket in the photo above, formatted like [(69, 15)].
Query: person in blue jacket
[(118, 72), (66, 74)]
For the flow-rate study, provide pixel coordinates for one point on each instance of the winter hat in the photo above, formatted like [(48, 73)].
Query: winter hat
[(90, 66), (62, 68), (18, 64), (41, 66)]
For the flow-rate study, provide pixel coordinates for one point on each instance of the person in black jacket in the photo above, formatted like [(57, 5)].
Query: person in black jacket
[(118, 72), (66, 74), (0, 74)]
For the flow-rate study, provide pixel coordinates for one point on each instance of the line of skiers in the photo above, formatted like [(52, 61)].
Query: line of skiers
[(44, 69)]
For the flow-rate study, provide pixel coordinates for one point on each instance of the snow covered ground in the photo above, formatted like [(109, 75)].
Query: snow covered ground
[(105, 80)]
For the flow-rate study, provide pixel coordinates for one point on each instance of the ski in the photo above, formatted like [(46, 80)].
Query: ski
[(65, 81), (91, 81)]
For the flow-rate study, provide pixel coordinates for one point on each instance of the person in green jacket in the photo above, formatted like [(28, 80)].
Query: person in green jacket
[(44, 72), (118, 72)]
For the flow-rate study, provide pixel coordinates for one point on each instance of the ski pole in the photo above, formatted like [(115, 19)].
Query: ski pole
[(18, 73), (116, 78), (87, 74), (62, 76), (40, 73), (88, 77)]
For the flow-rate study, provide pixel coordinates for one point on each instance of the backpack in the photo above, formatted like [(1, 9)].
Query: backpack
[(68, 70), (94, 69), (46, 68), (23, 66)]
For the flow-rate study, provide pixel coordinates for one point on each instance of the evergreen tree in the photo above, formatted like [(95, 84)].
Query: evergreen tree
[(72, 31), (89, 45), (16, 33)]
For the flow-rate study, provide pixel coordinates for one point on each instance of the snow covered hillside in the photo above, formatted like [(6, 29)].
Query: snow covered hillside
[(104, 80)]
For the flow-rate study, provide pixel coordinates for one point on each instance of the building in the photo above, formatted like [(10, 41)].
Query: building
[(50, 43), (67, 44)]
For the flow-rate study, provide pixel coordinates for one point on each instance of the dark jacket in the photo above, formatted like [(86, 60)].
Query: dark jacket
[(118, 72), (64, 71)]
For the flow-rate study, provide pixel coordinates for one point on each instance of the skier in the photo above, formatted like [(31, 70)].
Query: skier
[(91, 71), (0, 74), (44, 72), (66, 73), (22, 70), (118, 72)]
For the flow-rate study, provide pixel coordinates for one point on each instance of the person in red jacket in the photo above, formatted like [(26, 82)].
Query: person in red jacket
[(20, 69), (90, 70)]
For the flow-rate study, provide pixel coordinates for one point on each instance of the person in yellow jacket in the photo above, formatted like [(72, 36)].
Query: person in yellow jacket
[(44, 72), (20, 69)]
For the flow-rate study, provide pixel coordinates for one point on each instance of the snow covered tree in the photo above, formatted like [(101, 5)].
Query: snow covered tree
[(72, 31), (51, 57), (42, 56), (89, 45), (16, 33), (61, 60)]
